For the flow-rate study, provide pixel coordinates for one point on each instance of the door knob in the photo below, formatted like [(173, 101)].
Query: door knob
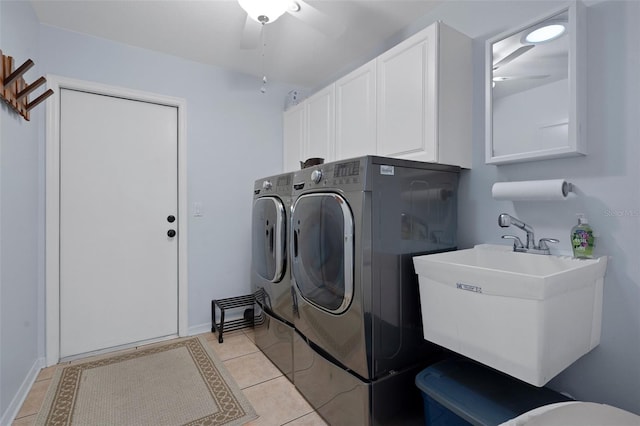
[(171, 233), (171, 218)]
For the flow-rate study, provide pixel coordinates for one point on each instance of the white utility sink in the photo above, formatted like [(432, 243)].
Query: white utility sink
[(528, 315)]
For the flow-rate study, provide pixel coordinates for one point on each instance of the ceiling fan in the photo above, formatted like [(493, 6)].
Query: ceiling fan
[(531, 37), (512, 56), (262, 12), (509, 58)]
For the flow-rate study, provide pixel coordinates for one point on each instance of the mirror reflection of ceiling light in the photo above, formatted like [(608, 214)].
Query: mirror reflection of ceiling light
[(265, 11), (545, 33), (293, 6)]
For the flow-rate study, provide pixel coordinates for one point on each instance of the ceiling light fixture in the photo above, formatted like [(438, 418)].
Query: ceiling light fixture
[(545, 33), (264, 11)]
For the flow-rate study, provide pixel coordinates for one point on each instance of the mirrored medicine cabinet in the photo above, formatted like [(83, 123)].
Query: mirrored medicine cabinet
[(535, 89)]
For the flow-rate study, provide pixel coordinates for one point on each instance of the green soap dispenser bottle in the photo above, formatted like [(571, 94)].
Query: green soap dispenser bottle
[(582, 239)]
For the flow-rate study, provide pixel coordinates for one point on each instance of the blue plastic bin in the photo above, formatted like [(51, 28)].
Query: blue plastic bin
[(460, 392)]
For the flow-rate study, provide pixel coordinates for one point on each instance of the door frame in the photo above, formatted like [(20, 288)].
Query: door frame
[(52, 201)]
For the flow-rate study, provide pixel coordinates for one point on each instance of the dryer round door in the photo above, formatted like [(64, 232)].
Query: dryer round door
[(268, 238), (322, 250)]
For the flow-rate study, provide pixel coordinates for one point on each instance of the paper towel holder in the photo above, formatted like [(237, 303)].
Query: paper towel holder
[(533, 190)]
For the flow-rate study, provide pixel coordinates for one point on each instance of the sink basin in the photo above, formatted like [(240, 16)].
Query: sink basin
[(528, 315)]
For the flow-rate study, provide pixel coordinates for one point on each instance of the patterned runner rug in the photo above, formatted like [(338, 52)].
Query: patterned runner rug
[(177, 383)]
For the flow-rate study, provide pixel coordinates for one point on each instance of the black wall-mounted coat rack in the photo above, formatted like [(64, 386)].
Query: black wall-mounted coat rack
[(13, 89)]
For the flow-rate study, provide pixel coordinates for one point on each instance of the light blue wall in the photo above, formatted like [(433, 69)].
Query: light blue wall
[(607, 180), (234, 136), (20, 206)]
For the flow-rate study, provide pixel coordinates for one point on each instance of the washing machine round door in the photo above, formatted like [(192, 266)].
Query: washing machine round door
[(322, 250), (268, 238)]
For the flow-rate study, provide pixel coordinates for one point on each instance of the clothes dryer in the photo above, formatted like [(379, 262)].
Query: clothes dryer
[(356, 225), (270, 275)]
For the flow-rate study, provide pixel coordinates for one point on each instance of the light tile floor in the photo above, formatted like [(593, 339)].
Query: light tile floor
[(272, 395)]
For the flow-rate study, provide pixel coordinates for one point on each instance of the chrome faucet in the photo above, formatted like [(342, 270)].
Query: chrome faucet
[(505, 220)]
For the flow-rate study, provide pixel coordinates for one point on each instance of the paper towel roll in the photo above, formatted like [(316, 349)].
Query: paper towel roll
[(532, 190)]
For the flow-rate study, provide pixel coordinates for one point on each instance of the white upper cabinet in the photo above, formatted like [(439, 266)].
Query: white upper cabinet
[(413, 102), (294, 134), (406, 76), (356, 113), (320, 122), (309, 131), (424, 98)]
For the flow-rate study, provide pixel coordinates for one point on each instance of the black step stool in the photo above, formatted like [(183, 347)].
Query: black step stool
[(231, 303)]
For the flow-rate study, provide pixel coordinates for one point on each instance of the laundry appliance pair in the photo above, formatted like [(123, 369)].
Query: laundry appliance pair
[(355, 323)]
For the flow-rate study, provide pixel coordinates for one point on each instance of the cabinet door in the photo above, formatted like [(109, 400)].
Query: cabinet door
[(293, 135), (407, 99), (356, 113), (320, 120)]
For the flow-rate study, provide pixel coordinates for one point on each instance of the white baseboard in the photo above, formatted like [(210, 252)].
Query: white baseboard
[(206, 327), (16, 403), (199, 329)]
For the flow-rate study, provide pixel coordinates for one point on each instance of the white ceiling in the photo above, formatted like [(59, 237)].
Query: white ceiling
[(211, 31)]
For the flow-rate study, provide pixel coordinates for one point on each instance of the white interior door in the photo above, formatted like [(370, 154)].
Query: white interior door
[(118, 186)]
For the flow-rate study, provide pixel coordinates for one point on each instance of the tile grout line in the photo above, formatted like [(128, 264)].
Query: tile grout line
[(238, 356), (30, 396), (264, 381), (298, 418), (35, 415), (280, 374)]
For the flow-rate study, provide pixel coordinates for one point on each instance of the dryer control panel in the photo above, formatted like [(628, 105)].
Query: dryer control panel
[(351, 168)]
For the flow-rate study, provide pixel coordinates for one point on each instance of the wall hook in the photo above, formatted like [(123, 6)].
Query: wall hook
[(13, 89)]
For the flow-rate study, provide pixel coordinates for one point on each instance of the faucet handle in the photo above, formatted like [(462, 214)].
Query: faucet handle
[(517, 242), (543, 243)]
